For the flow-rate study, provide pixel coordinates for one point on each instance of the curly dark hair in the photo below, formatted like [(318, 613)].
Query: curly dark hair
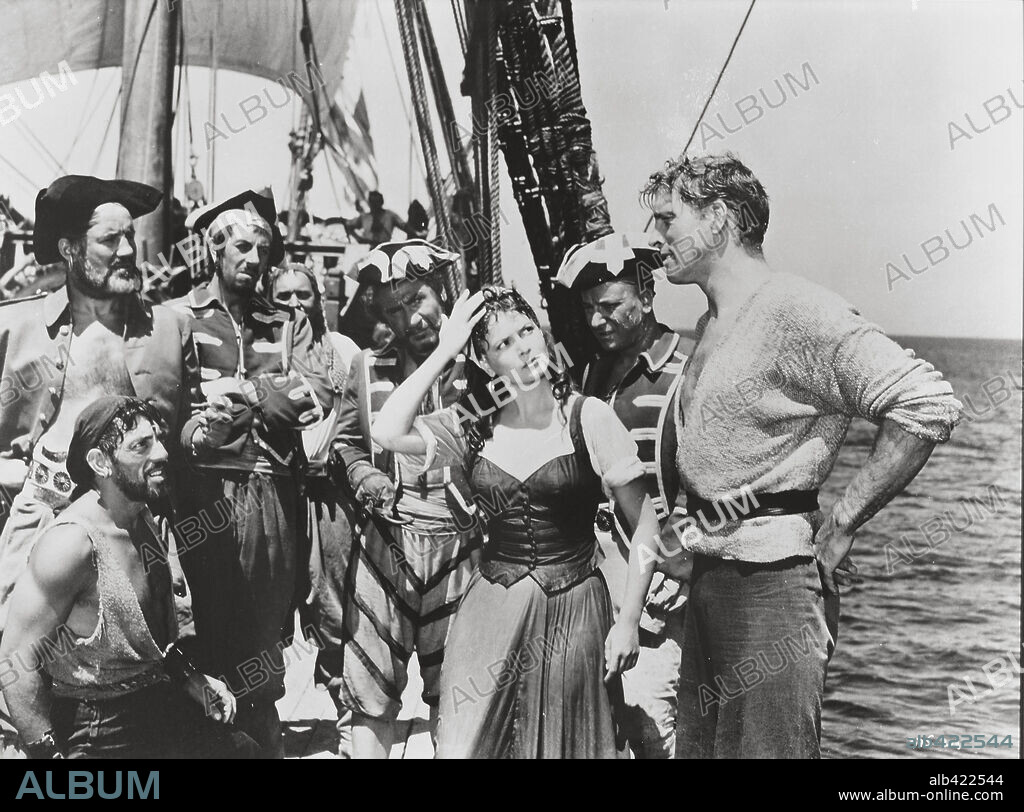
[(701, 181), (478, 395)]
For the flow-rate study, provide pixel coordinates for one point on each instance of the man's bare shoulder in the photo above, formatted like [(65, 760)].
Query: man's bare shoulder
[(62, 559)]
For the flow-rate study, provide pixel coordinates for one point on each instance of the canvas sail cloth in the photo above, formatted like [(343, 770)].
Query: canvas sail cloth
[(258, 37)]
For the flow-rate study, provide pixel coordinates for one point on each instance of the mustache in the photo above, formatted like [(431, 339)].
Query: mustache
[(125, 268)]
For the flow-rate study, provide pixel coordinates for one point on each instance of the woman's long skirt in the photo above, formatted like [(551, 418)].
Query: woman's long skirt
[(523, 673)]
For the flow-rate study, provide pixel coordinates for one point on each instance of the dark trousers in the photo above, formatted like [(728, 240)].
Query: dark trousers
[(755, 653), (239, 538), (155, 722), (238, 541)]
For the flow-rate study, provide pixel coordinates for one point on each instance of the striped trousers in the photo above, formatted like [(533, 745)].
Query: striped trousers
[(402, 587)]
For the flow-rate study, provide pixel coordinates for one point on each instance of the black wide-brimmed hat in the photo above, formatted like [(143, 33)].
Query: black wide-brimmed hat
[(199, 220), (63, 208), (621, 256)]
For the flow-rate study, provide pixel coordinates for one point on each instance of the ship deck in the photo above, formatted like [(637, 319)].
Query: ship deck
[(308, 715)]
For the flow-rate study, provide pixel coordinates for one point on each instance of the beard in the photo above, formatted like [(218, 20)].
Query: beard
[(119, 279), (422, 343), (137, 489)]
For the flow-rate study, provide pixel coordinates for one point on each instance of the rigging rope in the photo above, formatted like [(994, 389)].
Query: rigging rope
[(493, 267), (32, 185), (309, 51), (456, 150), (406, 27), (82, 127), (398, 83), (721, 73), (40, 147), (460, 26), (711, 95), (106, 131)]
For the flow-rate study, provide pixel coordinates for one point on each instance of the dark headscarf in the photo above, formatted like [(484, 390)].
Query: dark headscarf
[(90, 426)]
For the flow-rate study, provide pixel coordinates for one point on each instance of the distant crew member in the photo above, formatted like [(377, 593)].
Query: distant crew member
[(378, 224)]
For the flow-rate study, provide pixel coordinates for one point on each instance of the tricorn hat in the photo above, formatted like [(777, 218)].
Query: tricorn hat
[(394, 261), (63, 208), (201, 219), (621, 256)]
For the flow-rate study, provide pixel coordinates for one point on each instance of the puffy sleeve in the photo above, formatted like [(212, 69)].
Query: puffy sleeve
[(612, 451), (446, 444)]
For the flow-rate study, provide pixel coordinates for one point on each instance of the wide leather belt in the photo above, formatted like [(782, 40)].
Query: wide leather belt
[(782, 503)]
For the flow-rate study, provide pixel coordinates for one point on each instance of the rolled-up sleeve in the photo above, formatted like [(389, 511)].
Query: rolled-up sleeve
[(865, 373), (613, 454)]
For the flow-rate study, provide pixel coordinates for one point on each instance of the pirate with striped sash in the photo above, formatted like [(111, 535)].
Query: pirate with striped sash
[(638, 373), (414, 547), (241, 513)]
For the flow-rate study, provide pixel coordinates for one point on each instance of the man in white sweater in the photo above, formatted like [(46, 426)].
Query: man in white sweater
[(780, 368)]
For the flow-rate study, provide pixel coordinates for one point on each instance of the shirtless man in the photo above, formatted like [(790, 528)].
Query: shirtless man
[(128, 692), (63, 350), (780, 368), (377, 225)]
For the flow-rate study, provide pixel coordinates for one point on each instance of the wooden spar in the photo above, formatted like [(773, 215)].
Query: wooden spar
[(147, 92), (212, 149), (299, 172)]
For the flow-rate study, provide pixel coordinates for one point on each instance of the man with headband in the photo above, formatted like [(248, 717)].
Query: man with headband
[(89, 663), (60, 351), (638, 373), (411, 558), (240, 511)]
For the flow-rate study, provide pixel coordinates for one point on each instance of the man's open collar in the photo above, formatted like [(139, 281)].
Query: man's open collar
[(201, 298), (57, 309), (661, 351)]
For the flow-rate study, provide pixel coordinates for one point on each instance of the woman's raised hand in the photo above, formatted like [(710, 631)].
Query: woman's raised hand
[(456, 329)]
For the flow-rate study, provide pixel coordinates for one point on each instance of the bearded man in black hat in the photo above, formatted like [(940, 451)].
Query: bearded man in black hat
[(60, 351), (241, 507), (638, 372), (90, 664)]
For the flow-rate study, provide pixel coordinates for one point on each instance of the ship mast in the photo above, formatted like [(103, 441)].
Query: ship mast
[(147, 92)]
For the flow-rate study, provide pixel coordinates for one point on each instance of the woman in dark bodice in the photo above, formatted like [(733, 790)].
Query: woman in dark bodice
[(533, 658)]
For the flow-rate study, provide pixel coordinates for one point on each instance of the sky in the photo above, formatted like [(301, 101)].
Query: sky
[(855, 154)]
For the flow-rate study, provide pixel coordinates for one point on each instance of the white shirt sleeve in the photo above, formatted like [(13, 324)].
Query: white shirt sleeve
[(445, 443), (612, 451)]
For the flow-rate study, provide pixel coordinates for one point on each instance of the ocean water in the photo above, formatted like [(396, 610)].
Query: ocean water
[(934, 614)]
